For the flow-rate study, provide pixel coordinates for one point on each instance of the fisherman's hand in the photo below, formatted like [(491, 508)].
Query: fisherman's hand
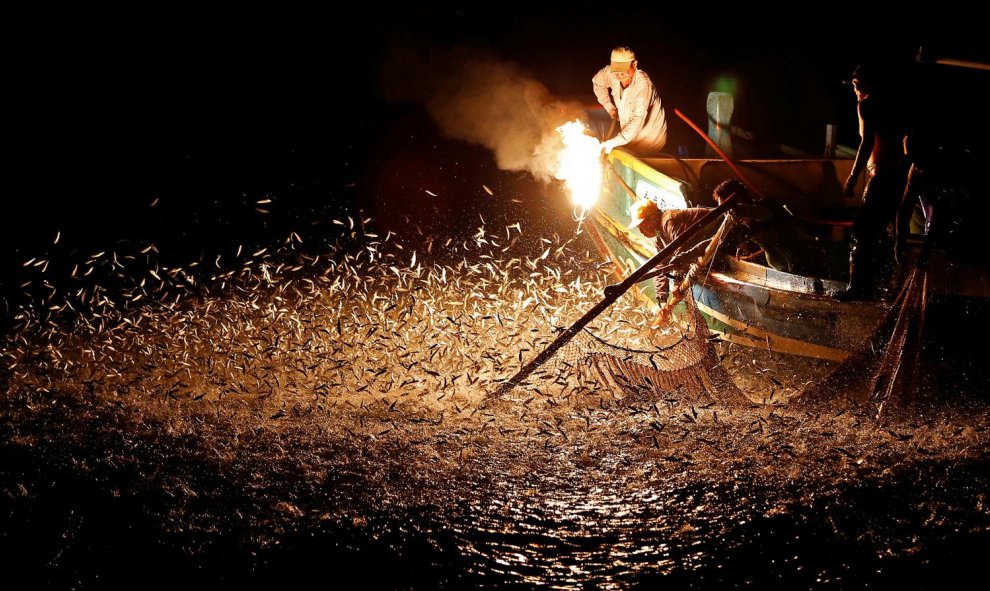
[(608, 146), (613, 113), (849, 188), (612, 291), (900, 250)]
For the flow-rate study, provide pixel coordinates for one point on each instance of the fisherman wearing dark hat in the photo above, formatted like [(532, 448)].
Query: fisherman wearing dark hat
[(785, 242), (881, 155)]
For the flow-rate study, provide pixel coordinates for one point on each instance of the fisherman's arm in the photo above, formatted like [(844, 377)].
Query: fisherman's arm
[(676, 224), (637, 119), (601, 83), (632, 127), (866, 139)]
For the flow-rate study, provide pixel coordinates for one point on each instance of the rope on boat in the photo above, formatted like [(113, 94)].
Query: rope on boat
[(667, 308)]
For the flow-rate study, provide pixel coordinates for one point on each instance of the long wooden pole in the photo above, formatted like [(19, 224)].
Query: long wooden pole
[(612, 293)]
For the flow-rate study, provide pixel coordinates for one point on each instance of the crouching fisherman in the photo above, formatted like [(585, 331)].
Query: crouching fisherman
[(765, 222)]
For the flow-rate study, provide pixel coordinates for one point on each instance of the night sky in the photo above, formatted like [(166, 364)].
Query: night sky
[(174, 126)]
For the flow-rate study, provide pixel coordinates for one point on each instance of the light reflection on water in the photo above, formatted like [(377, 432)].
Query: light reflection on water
[(638, 517), (575, 536)]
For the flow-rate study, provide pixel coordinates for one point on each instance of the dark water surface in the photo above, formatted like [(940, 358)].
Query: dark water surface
[(805, 508)]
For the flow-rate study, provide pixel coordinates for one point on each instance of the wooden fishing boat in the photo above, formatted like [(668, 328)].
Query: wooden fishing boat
[(751, 303)]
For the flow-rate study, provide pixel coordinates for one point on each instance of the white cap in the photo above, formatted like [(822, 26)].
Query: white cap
[(622, 57)]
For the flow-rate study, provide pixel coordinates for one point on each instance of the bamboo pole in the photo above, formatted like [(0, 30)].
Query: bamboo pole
[(612, 293)]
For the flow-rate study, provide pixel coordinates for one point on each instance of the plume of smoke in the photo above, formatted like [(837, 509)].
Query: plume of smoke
[(476, 97)]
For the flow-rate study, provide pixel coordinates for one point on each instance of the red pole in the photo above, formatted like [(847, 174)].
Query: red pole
[(714, 146)]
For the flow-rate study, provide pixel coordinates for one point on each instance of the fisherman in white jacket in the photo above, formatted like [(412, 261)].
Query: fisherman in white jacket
[(628, 94)]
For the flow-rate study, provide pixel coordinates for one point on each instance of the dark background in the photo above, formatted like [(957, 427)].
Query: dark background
[(170, 128)]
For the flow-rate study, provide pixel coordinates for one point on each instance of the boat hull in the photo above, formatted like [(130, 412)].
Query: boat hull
[(760, 313), (753, 304)]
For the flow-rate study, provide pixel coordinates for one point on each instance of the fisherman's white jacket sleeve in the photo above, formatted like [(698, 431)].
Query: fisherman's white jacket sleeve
[(602, 83)]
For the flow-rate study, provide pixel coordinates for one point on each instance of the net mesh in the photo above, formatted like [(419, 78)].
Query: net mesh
[(679, 359), (881, 374)]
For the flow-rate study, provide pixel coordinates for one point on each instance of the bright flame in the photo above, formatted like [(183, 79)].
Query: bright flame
[(579, 166)]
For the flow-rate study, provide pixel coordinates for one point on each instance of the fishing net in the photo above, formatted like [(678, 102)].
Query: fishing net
[(676, 355), (881, 374), (679, 357), (681, 360)]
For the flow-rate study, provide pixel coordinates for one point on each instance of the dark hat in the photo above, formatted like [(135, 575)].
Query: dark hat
[(861, 72), (728, 188)]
